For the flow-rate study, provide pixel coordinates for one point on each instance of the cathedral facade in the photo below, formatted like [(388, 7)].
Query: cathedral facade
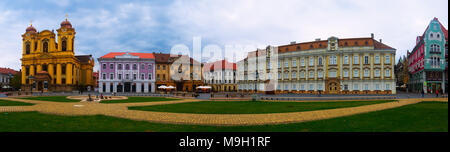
[(49, 62)]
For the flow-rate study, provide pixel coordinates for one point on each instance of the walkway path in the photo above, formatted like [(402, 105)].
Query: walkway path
[(121, 110)]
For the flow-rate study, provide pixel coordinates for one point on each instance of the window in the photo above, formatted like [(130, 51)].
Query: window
[(111, 66), (320, 87), (346, 87), (279, 64), (388, 87), (134, 76), (377, 59), (320, 61), (111, 76), (311, 86), (157, 77), (27, 48), (286, 75), (366, 59), (286, 87), (355, 73), (294, 87), (142, 66), (294, 63), (333, 60), (387, 73), (286, 63), (279, 76), (149, 66), (345, 73), (104, 66), (377, 86), (164, 67), (63, 69), (294, 75), (104, 76), (320, 74), (355, 87), (120, 76), (64, 44), (142, 76), (158, 67), (311, 61), (134, 67), (311, 74), (355, 59), (377, 73), (366, 73), (303, 61), (127, 67), (366, 86), (387, 59), (120, 67), (332, 74), (45, 47), (345, 59)]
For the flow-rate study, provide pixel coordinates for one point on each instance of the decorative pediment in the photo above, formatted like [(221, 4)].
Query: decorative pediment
[(46, 56)]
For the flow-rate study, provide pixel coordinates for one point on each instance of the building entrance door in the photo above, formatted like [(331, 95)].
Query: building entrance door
[(333, 86), (127, 87)]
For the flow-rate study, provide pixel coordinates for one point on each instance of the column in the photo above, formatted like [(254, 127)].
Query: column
[(51, 71), (69, 73), (58, 74), (23, 75), (39, 68), (153, 87), (108, 86), (138, 87), (146, 87), (32, 70), (100, 87), (115, 86)]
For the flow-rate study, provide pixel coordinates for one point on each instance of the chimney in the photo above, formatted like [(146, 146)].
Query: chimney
[(318, 39), (293, 42), (381, 41), (371, 35)]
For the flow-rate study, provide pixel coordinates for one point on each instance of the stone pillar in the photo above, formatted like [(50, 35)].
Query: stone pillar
[(23, 75), (146, 88), (69, 73), (115, 86), (39, 68), (108, 86), (58, 74), (153, 87), (51, 71), (138, 87), (100, 87)]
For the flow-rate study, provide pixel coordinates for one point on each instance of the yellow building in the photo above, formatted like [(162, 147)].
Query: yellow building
[(48, 65)]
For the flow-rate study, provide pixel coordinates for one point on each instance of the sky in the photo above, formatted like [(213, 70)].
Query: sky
[(159, 25)]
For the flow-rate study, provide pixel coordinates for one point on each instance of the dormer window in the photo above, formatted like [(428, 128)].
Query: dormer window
[(356, 43), (438, 36), (431, 35), (345, 44)]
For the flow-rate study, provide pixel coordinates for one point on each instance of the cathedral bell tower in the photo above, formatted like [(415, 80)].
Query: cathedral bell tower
[(66, 37), (29, 40)]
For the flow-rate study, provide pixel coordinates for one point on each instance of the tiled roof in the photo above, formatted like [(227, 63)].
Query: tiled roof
[(8, 71), (380, 46), (141, 55), (161, 58), (225, 65)]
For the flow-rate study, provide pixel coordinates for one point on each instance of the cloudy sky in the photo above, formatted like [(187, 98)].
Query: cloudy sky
[(156, 26)]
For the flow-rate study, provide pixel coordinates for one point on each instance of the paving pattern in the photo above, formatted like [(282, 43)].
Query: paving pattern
[(121, 110)]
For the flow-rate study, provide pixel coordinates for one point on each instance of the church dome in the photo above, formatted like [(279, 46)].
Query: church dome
[(31, 29), (66, 24)]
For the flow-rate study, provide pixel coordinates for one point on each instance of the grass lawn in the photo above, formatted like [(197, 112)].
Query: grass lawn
[(251, 107), (52, 98), (13, 103), (140, 99), (422, 117)]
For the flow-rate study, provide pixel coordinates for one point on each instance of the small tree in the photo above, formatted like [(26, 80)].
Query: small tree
[(16, 81)]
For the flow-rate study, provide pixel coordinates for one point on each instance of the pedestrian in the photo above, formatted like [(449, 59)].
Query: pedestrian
[(423, 93), (437, 93)]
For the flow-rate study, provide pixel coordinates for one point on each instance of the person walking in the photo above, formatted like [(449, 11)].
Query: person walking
[(437, 93), (423, 93)]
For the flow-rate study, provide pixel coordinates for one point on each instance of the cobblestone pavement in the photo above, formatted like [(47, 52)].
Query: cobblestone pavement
[(121, 110)]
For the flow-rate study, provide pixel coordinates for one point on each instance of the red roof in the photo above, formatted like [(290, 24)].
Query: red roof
[(225, 65), (141, 55), (8, 71)]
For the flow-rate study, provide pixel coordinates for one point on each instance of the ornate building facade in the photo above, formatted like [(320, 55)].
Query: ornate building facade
[(127, 72), (428, 61), (333, 66), (48, 65), (221, 76)]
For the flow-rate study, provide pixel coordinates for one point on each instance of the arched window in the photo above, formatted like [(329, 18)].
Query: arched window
[(64, 44), (45, 47), (27, 48)]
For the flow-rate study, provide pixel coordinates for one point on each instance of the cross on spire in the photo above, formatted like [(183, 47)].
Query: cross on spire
[(31, 22), (67, 16)]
